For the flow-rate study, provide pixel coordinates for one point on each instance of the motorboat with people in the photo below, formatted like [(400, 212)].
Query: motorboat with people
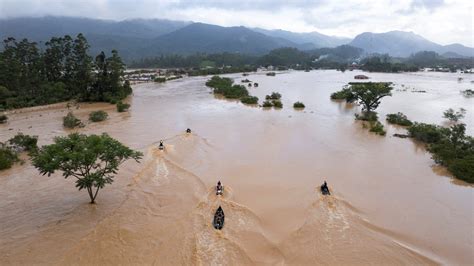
[(219, 217), (188, 131), (161, 146), (325, 189), (219, 188)]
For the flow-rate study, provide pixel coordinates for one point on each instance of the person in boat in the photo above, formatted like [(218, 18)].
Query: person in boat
[(161, 146), (188, 130), (219, 188), (325, 188)]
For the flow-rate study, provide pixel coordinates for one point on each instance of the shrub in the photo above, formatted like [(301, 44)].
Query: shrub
[(3, 119), (298, 105), (367, 116), (267, 104), (453, 116), (7, 157), (271, 74), (273, 96), (427, 133), (377, 128), (160, 80), (468, 93), (70, 121), (249, 100), (122, 107), (399, 119), (463, 168), (277, 104), (24, 142), (98, 116), (218, 82)]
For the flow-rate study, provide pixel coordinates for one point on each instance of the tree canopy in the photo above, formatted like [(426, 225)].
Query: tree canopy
[(369, 94), (63, 71), (93, 160)]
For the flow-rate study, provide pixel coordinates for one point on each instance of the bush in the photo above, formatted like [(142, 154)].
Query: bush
[(122, 107), (298, 105), (367, 116), (267, 104), (453, 116), (7, 157), (399, 119), (271, 74), (70, 121), (24, 142), (427, 133), (160, 80), (3, 119), (218, 82), (377, 127), (277, 104), (273, 96), (463, 168), (249, 100), (468, 93), (98, 116)]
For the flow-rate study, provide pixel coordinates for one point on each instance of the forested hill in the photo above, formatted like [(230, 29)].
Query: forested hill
[(136, 39)]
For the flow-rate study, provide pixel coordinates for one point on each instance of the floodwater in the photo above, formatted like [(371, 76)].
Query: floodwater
[(389, 205)]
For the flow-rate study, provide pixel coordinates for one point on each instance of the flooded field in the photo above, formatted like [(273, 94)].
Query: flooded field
[(390, 204)]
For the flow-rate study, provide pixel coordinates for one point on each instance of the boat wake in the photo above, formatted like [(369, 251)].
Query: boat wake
[(336, 233)]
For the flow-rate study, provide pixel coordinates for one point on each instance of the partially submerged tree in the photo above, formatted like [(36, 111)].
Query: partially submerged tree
[(454, 116), (93, 160), (369, 94)]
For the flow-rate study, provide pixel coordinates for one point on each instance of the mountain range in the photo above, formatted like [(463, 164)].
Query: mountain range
[(139, 38)]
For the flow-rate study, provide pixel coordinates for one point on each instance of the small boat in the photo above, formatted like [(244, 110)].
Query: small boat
[(250, 84), (219, 188), (219, 217), (325, 189), (255, 84), (188, 130)]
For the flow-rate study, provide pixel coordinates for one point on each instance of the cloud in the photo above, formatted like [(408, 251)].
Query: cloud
[(442, 21)]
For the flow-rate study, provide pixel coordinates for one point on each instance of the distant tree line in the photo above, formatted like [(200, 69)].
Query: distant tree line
[(62, 71), (341, 57)]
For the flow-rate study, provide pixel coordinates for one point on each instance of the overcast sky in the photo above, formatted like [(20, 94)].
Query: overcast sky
[(442, 21)]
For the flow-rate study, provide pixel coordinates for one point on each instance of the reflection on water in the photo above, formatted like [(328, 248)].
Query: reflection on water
[(389, 204)]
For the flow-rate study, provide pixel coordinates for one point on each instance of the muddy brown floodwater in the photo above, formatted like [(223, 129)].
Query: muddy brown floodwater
[(389, 203)]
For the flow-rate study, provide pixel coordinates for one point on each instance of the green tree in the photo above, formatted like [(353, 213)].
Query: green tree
[(369, 94), (81, 67), (93, 160), (454, 116)]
